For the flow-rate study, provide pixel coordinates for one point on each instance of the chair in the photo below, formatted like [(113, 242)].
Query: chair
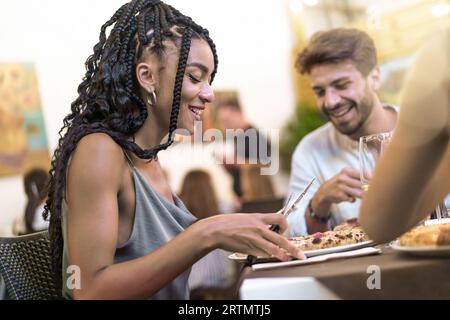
[(25, 266), (263, 205)]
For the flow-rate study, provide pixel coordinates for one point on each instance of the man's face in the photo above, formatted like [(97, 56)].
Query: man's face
[(229, 118), (343, 95)]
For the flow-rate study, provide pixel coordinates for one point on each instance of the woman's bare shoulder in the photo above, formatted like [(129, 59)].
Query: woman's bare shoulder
[(98, 155), (100, 143)]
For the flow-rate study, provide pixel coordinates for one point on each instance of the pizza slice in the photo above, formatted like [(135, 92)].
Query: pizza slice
[(347, 233), (330, 239), (432, 235)]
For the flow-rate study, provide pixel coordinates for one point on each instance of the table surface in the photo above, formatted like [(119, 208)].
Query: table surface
[(402, 276)]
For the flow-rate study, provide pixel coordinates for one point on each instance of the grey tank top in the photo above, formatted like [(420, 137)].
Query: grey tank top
[(156, 221)]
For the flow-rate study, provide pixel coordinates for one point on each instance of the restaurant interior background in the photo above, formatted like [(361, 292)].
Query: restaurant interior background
[(44, 45)]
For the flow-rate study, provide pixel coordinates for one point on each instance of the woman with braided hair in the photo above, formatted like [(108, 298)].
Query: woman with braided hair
[(112, 213)]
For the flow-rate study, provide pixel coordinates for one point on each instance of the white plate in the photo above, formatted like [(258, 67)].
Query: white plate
[(425, 251), (311, 253), (431, 222)]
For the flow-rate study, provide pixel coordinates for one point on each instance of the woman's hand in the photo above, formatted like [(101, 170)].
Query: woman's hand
[(250, 234)]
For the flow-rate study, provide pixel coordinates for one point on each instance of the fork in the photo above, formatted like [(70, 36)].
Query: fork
[(285, 212)]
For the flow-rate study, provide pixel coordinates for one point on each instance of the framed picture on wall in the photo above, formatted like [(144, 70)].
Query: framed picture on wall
[(23, 142)]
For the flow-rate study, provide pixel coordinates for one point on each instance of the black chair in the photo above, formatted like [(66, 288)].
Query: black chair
[(25, 267), (263, 205)]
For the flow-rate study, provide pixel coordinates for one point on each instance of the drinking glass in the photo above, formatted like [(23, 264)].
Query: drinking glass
[(371, 148)]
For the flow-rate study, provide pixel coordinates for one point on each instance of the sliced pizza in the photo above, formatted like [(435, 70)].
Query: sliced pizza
[(432, 235), (344, 234), (330, 239)]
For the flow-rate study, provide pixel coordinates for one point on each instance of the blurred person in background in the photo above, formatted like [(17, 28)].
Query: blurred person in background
[(345, 77), (258, 191), (231, 117), (35, 187), (413, 175), (255, 186), (214, 270)]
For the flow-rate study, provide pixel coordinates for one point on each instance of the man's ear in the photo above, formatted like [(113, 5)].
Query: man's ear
[(374, 79), (146, 76)]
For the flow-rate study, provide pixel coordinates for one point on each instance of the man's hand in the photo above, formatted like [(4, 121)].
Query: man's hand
[(345, 186)]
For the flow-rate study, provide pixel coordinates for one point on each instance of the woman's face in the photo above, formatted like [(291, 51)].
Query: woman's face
[(196, 90)]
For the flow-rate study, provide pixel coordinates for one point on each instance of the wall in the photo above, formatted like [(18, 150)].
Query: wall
[(252, 38)]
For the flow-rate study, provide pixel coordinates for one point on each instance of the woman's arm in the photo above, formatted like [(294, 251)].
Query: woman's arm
[(401, 192), (413, 175), (94, 180)]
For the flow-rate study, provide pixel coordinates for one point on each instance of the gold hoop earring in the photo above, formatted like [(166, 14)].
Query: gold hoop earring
[(151, 99)]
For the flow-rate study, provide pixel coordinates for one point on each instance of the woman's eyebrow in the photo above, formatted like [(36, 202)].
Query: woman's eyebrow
[(202, 67)]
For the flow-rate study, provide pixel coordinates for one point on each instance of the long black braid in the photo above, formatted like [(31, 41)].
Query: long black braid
[(107, 99)]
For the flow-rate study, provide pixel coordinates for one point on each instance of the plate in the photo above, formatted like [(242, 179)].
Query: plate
[(424, 251), (431, 222), (310, 253)]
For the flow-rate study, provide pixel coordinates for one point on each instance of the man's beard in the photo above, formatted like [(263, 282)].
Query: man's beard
[(362, 111)]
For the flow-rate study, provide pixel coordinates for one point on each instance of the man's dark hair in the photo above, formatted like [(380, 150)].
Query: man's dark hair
[(108, 97), (336, 46)]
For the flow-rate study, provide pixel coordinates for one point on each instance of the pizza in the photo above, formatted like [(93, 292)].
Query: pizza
[(349, 224), (432, 235), (347, 233)]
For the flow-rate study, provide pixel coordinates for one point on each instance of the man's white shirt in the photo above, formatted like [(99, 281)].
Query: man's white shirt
[(322, 154)]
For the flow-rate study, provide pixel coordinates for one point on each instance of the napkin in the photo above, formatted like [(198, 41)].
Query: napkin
[(338, 255), (285, 288)]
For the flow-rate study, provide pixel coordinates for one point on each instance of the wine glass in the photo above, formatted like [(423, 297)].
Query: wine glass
[(440, 214), (371, 147)]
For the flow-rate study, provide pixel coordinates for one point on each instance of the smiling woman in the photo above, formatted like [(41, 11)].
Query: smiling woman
[(112, 213)]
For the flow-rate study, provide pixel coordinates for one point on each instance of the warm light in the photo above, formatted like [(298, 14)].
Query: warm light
[(374, 15), (311, 3), (296, 7), (440, 10)]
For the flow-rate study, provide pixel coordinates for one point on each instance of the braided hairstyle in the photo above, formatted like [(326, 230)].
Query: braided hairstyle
[(107, 99)]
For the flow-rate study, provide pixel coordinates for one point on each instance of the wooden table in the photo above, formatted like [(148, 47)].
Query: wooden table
[(402, 276)]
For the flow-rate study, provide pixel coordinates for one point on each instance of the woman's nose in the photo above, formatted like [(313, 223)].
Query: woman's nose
[(207, 94)]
